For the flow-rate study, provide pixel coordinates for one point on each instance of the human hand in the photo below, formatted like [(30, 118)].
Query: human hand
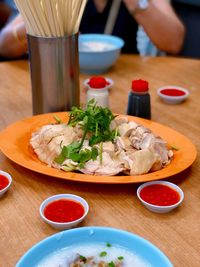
[(19, 32), (13, 41), (131, 5)]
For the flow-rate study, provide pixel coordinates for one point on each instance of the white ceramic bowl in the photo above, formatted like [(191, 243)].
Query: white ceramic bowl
[(7, 175), (66, 225), (160, 209), (172, 99)]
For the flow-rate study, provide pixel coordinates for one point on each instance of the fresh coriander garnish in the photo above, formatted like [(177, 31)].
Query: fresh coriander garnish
[(74, 153), (101, 153), (82, 258), (174, 148), (116, 133), (120, 258), (61, 144), (58, 120), (67, 151), (111, 264), (95, 122), (103, 254)]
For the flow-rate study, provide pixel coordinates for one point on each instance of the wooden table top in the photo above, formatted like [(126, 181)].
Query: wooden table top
[(176, 233)]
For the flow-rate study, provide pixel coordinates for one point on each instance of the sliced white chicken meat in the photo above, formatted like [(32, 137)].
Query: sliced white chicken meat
[(49, 140), (126, 129), (107, 167), (142, 161), (124, 158), (160, 148), (123, 143), (109, 148), (118, 121), (143, 138), (136, 151)]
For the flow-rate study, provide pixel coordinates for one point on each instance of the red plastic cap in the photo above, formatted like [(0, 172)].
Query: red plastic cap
[(140, 85), (98, 82)]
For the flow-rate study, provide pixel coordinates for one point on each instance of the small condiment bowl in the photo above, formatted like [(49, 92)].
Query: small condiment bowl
[(64, 225), (157, 208), (172, 94), (8, 176)]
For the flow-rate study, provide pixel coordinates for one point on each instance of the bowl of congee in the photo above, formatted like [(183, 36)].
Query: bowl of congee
[(98, 52), (94, 246)]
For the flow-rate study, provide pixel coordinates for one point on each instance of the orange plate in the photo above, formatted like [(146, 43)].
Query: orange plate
[(14, 143)]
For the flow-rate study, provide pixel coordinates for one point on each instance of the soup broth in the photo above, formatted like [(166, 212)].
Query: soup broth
[(100, 252)]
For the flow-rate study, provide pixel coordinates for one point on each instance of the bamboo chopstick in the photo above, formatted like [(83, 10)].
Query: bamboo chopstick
[(51, 18)]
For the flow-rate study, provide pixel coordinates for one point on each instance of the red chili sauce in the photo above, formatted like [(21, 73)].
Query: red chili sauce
[(3, 182), (64, 210), (172, 92), (160, 195)]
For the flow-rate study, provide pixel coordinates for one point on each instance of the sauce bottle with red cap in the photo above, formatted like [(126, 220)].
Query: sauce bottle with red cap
[(139, 102), (98, 90)]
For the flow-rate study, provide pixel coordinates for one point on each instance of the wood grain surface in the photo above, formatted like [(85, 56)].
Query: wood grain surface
[(177, 233)]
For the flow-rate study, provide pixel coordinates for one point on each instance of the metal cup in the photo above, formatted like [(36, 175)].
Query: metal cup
[(54, 68)]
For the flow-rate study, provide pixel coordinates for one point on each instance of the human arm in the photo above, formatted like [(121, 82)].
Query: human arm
[(160, 23), (13, 41), (4, 13)]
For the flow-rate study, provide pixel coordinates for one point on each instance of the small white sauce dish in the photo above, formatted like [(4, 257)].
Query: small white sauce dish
[(156, 208), (64, 225), (8, 176), (169, 94)]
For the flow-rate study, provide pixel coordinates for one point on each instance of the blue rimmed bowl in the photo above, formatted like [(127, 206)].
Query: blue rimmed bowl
[(131, 242), (98, 52)]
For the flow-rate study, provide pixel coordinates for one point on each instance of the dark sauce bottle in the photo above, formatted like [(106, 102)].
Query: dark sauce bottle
[(139, 102)]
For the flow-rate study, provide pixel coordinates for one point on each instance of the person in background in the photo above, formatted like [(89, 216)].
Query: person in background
[(8, 10), (156, 17), (189, 13), (13, 42), (4, 13)]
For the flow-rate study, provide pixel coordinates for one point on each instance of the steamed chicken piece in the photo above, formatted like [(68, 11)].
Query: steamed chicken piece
[(48, 141), (136, 151), (108, 166), (117, 122), (108, 147), (123, 143), (126, 129), (143, 160), (142, 138), (137, 162)]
